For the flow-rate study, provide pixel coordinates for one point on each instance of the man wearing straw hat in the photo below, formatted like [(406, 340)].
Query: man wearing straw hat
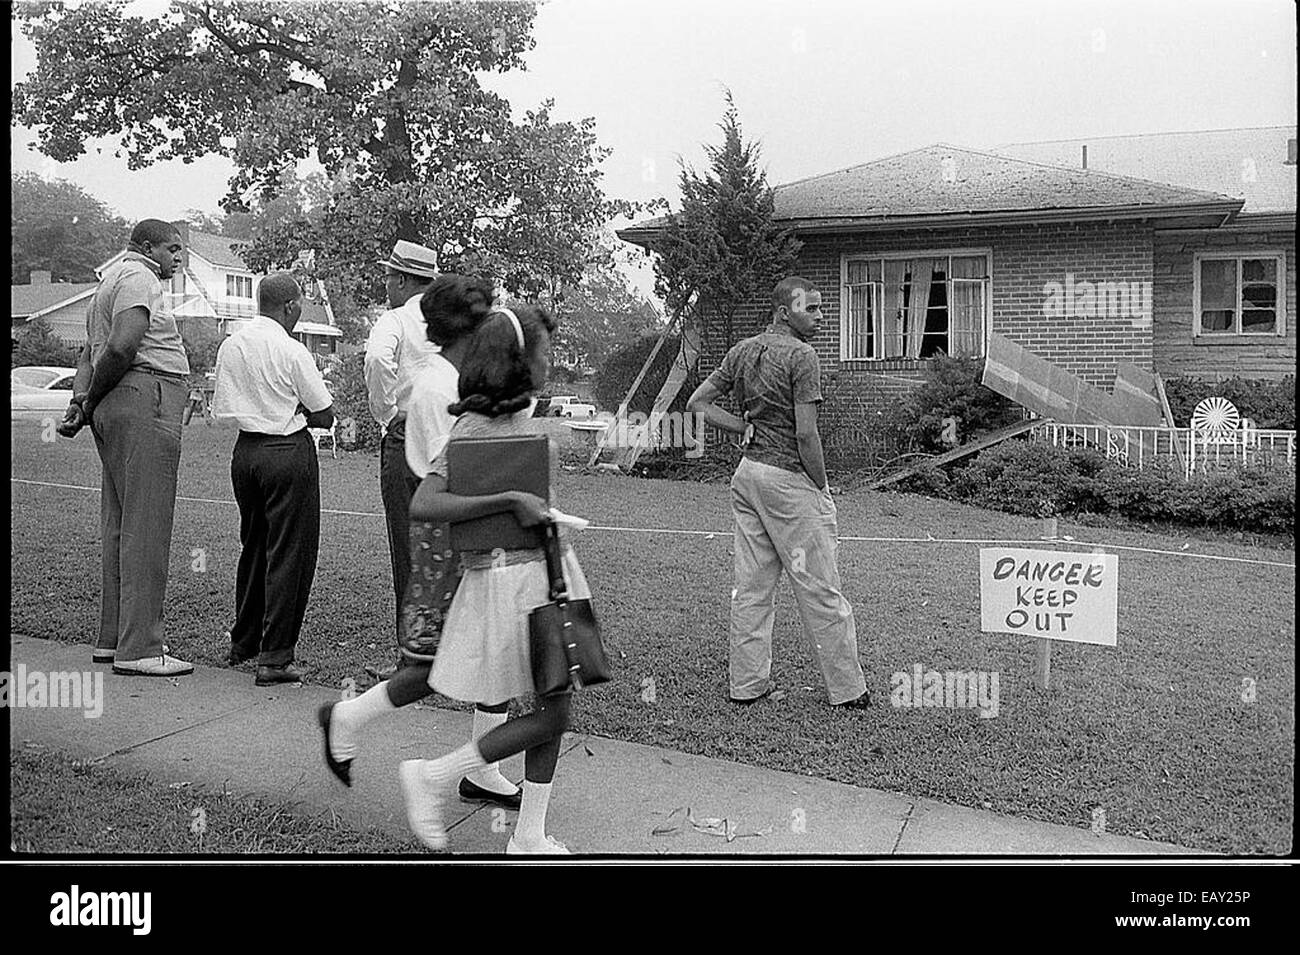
[(398, 347)]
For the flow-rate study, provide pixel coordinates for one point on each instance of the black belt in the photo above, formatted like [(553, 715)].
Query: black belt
[(263, 436), (158, 373)]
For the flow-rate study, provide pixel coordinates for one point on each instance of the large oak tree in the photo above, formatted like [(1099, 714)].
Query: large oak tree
[(386, 96)]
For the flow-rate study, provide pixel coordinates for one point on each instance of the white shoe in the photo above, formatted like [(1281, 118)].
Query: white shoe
[(161, 665), (423, 803), (551, 847)]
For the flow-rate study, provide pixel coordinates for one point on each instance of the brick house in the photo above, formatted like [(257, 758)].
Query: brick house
[(1193, 266), (936, 249)]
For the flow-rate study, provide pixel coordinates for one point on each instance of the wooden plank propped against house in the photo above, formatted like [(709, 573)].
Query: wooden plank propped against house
[(621, 414), (687, 357), (979, 444), (1169, 422)]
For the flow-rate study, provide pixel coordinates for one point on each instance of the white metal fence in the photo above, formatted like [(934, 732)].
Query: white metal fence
[(1191, 450)]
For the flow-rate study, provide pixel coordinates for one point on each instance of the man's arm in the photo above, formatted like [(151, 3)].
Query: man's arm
[(703, 402), (312, 391), (810, 443), (381, 368), (129, 328)]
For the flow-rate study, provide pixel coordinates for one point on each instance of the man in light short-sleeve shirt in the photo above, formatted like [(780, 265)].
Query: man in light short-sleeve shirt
[(784, 514), (269, 386), (130, 388)]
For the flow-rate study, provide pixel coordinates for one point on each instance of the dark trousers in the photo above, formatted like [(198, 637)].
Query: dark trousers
[(137, 429), (397, 484), (277, 486)]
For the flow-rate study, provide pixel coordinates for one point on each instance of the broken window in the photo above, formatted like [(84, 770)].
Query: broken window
[(918, 307), (1238, 295)]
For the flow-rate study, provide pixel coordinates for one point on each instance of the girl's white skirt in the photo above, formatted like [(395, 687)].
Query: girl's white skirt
[(483, 654)]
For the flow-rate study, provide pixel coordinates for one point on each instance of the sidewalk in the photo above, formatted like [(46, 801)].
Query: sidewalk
[(215, 729)]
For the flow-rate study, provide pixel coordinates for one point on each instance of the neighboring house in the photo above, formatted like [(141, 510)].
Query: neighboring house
[(938, 248), (217, 291), (1224, 298), (61, 305)]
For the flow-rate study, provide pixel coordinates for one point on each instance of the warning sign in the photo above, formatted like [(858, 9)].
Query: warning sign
[(1049, 594)]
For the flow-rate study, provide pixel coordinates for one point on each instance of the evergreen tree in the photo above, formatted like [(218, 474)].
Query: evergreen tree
[(724, 248)]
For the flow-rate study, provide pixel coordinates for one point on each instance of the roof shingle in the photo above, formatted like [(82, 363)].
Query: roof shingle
[(27, 300), (1247, 164)]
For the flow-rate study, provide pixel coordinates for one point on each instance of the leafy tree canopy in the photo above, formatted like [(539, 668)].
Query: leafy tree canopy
[(59, 227), (724, 248), (386, 96)]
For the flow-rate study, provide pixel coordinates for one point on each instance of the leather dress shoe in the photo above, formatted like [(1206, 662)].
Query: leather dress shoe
[(476, 793), (271, 675), (753, 699), (342, 769), (857, 703)]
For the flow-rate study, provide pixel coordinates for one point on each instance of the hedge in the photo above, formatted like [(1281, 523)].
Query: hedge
[(1042, 481)]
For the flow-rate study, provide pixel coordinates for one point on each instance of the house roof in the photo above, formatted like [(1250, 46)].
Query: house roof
[(28, 300), (1247, 164), (217, 249), (944, 184)]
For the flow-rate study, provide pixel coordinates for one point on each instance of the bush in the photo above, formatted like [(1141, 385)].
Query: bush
[(1270, 404), (620, 369), (952, 389), (347, 385), (1041, 481), (38, 345)]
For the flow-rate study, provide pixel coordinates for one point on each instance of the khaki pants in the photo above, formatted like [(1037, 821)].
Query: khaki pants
[(784, 522), (137, 429)]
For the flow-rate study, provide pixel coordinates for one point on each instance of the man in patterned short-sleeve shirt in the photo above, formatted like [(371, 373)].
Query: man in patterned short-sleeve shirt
[(784, 514)]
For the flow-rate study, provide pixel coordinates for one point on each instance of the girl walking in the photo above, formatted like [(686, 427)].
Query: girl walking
[(453, 307), (483, 656)]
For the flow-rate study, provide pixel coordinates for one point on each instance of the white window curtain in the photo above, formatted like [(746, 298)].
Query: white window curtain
[(966, 306)]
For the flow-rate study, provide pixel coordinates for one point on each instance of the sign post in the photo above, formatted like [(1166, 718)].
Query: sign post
[(1049, 595)]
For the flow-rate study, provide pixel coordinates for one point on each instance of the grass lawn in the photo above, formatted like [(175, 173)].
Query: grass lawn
[(58, 805), (1155, 731)]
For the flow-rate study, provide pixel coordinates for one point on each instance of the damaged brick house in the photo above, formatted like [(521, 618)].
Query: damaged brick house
[(937, 249)]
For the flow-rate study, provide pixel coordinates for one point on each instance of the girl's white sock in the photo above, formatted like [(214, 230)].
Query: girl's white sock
[(444, 771), (349, 716), (531, 827), (489, 777)]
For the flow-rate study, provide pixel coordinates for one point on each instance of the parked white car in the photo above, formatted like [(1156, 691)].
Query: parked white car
[(577, 409), (40, 388)]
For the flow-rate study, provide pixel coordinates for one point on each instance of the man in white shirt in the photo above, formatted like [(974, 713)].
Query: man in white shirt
[(268, 385), (397, 349)]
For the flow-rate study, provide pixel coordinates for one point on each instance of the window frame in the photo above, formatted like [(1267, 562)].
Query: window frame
[(238, 282), (1236, 333), (882, 257)]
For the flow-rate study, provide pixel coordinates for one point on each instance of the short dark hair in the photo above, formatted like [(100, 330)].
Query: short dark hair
[(495, 377), (276, 290), (453, 306), (153, 232), (784, 293)]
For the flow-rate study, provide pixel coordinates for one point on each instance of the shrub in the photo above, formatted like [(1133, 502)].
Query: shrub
[(1041, 481), (38, 345), (347, 385), (1270, 404), (952, 389), (620, 369)]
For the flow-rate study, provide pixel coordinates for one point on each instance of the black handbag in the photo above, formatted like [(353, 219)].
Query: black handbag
[(435, 575), (564, 639)]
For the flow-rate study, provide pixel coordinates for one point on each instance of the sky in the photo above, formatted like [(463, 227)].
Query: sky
[(826, 84)]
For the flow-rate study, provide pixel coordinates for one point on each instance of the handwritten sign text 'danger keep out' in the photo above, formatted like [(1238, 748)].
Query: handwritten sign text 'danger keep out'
[(1049, 594)]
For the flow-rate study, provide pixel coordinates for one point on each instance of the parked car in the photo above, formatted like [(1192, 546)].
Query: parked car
[(556, 406), (577, 409), (40, 388)]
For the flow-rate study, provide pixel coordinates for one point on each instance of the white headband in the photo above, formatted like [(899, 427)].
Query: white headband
[(514, 320)]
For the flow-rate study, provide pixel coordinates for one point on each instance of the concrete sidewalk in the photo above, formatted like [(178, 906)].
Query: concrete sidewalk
[(216, 729)]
